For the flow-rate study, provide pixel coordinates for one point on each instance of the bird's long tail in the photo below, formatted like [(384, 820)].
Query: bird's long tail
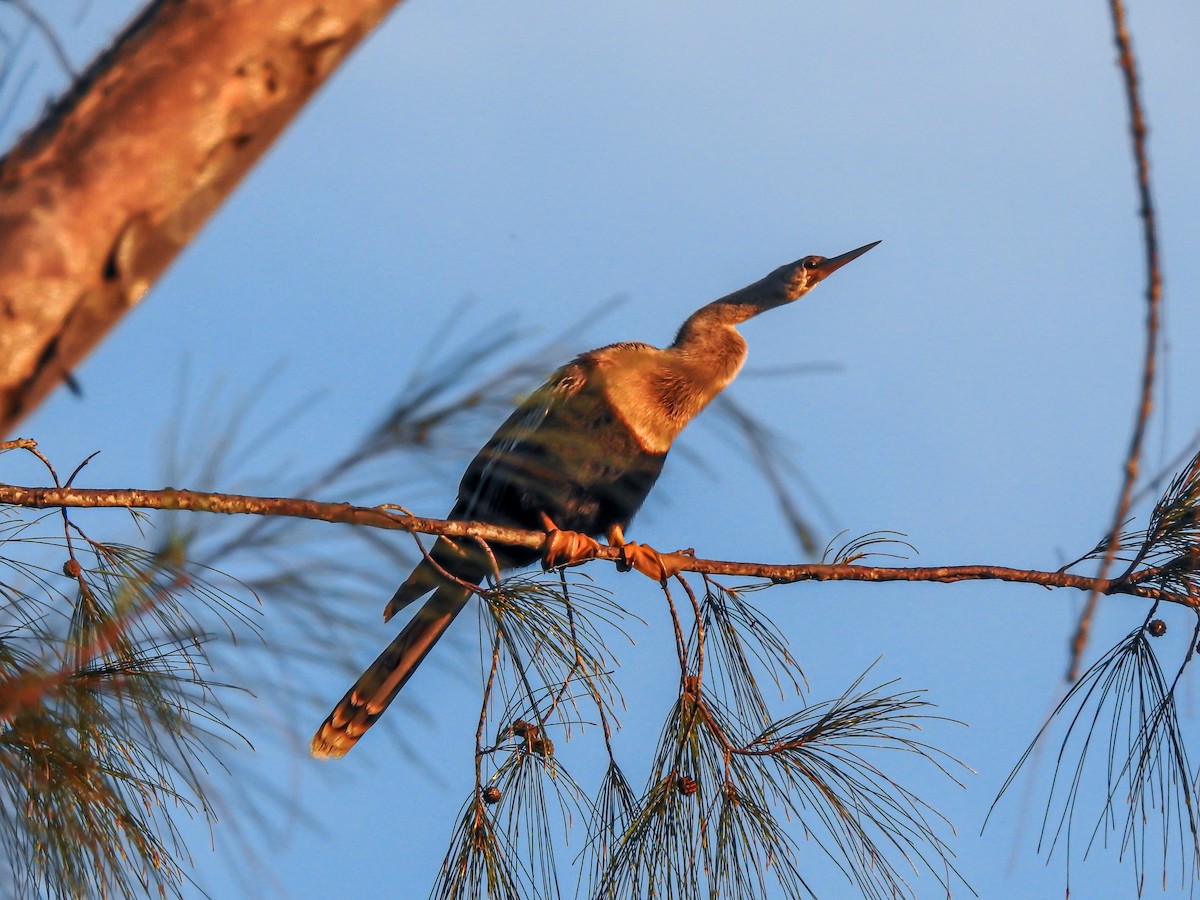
[(378, 686)]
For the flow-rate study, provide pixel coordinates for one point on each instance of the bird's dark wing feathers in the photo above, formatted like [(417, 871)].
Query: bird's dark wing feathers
[(479, 494), (478, 490), (564, 453)]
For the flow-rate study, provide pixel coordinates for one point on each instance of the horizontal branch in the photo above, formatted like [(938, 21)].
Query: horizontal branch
[(389, 518)]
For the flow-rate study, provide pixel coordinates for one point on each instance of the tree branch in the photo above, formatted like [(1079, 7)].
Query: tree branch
[(105, 192), (387, 518), (1141, 160)]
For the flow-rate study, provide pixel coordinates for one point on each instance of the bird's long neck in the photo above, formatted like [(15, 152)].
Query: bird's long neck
[(709, 351), (708, 346), (657, 392)]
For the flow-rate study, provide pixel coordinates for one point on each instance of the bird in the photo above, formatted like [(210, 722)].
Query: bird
[(579, 457)]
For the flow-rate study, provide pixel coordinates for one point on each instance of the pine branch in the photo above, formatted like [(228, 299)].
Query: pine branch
[(386, 517)]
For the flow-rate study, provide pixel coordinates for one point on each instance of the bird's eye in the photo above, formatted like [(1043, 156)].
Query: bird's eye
[(811, 262)]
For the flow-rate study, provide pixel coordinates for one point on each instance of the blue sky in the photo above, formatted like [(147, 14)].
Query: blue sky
[(543, 159)]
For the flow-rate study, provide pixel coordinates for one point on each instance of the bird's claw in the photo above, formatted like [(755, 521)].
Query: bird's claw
[(567, 548), (651, 563)]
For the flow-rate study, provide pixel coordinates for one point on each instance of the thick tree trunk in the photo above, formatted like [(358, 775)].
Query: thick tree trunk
[(119, 176)]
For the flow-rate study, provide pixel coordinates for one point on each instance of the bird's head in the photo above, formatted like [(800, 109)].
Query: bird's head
[(805, 274), (785, 285)]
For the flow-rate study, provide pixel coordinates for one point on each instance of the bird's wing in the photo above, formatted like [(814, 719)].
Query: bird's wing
[(518, 437), (480, 483), (426, 576)]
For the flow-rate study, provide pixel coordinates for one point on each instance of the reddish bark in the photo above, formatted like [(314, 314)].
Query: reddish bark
[(99, 198)]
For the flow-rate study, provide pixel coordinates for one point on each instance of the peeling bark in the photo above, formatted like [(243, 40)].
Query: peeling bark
[(100, 197)]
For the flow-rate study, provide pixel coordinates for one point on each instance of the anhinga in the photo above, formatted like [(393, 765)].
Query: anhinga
[(579, 455)]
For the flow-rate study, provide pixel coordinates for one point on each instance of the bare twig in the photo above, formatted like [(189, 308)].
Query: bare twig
[(1137, 130)]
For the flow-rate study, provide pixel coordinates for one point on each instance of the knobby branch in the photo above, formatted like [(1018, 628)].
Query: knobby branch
[(394, 519)]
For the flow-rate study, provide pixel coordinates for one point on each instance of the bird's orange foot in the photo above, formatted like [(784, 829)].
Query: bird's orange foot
[(644, 558), (651, 563), (565, 548)]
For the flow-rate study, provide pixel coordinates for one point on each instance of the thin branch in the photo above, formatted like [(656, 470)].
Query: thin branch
[(385, 517), (1137, 131)]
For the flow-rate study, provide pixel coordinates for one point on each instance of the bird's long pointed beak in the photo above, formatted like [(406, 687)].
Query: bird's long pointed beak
[(832, 265)]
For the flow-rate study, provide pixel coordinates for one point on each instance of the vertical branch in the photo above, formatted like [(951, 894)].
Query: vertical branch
[(483, 708), (1137, 130)]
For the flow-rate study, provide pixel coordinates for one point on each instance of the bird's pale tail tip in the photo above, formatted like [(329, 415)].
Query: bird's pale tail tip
[(327, 745)]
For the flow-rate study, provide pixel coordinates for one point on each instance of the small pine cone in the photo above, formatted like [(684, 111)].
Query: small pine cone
[(72, 568), (1157, 628), (491, 795), (687, 786)]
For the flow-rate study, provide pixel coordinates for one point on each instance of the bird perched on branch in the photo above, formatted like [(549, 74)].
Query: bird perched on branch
[(577, 459)]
